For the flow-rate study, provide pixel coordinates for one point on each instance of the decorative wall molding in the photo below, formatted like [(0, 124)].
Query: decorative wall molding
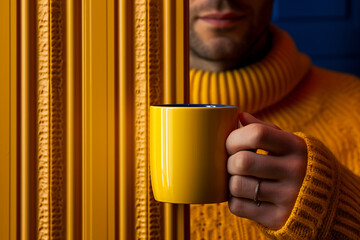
[(50, 119)]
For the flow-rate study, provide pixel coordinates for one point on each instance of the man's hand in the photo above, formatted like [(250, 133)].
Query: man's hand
[(281, 171)]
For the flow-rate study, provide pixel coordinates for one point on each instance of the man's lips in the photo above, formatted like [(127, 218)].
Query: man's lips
[(221, 20)]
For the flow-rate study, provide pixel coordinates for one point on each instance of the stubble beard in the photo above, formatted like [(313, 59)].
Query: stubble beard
[(221, 48)]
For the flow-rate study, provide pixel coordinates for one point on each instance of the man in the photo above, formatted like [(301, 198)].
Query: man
[(294, 166)]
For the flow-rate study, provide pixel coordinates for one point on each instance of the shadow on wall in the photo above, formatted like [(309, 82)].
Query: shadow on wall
[(327, 30)]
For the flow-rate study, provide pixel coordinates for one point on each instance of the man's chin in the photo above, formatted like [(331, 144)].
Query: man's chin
[(221, 51)]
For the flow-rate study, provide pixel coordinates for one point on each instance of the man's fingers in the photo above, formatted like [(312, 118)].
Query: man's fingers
[(252, 164), (244, 187), (247, 118), (281, 171), (273, 192), (260, 136), (267, 214)]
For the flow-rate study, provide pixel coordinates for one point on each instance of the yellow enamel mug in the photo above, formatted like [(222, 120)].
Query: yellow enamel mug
[(187, 152)]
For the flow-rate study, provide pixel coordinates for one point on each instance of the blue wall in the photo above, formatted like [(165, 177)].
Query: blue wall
[(327, 30)]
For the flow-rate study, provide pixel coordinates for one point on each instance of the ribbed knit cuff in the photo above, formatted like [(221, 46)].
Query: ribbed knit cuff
[(316, 204)]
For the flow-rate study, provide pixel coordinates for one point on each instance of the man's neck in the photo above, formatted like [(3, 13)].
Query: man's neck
[(256, 52)]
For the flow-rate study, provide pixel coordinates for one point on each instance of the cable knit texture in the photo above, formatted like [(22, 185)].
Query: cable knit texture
[(318, 105)]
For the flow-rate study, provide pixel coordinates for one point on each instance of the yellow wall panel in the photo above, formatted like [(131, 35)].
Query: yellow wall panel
[(8, 120), (98, 121), (5, 122), (14, 122), (80, 77)]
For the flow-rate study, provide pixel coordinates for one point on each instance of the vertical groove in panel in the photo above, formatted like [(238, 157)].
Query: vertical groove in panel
[(186, 71), (14, 119), (127, 208), (28, 122), (186, 62), (50, 120), (73, 121), (116, 124), (169, 67)]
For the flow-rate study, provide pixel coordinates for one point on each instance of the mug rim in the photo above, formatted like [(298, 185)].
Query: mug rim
[(195, 106)]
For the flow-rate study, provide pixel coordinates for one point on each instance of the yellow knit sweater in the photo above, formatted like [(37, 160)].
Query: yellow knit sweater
[(323, 107)]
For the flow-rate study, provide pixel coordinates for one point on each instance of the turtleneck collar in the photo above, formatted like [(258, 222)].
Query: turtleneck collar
[(256, 86)]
